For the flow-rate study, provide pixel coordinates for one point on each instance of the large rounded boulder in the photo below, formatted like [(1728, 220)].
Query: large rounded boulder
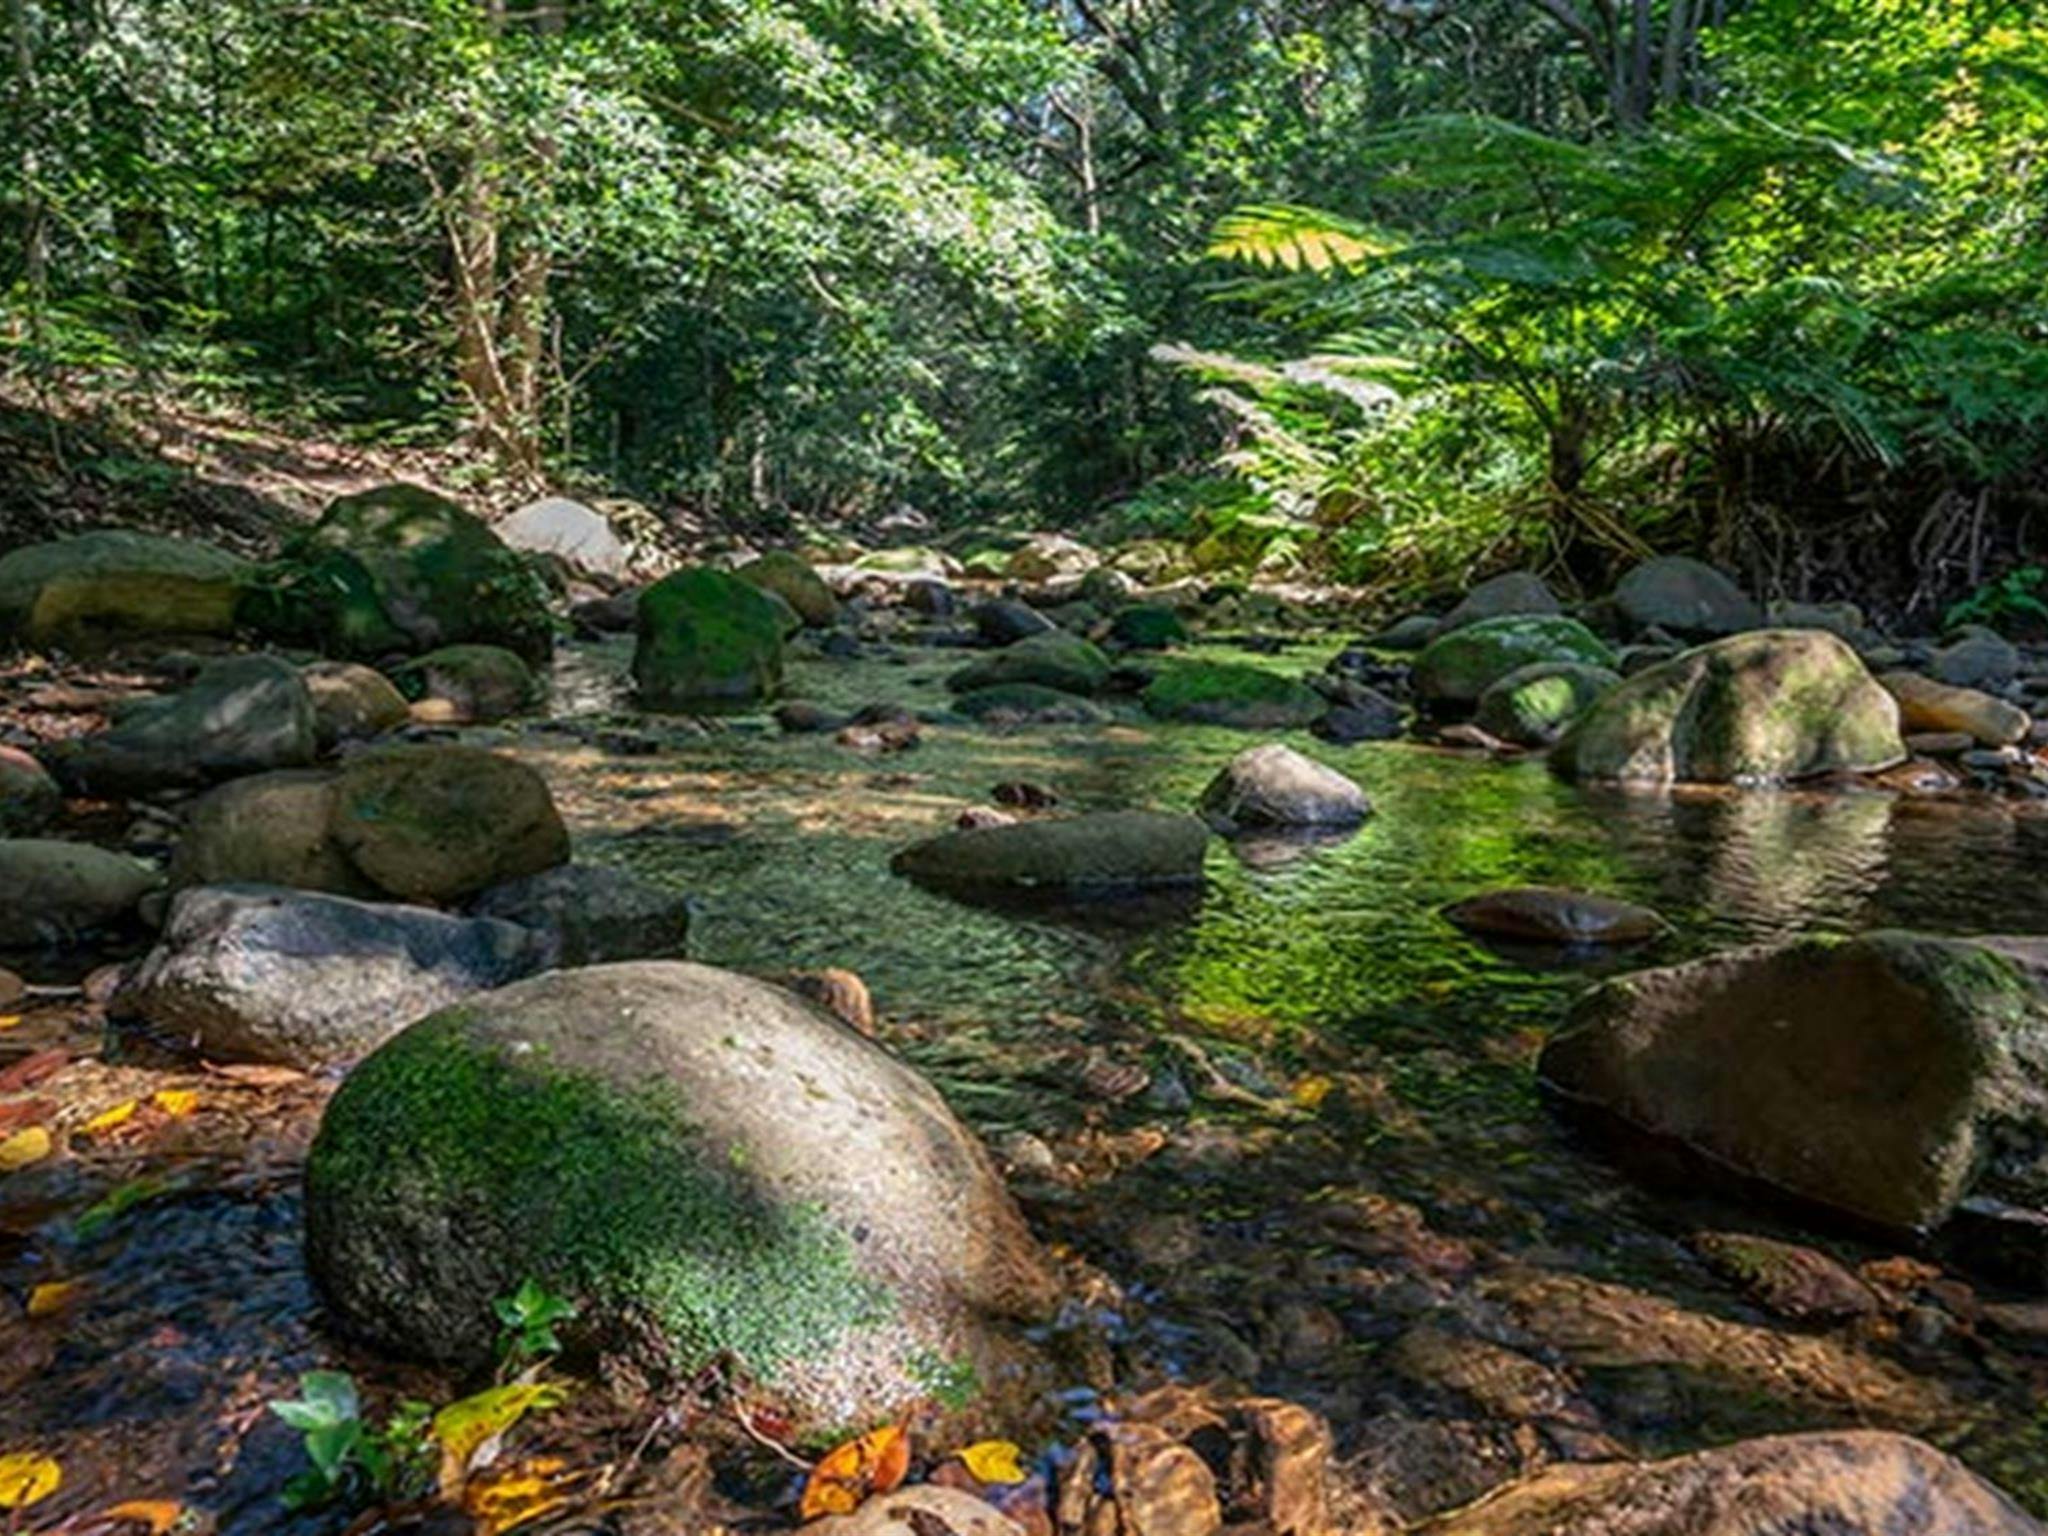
[(1274, 786), (1454, 671), (1532, 705), (95, 587), (401, 569), (1758, 708), (1886, 1076), (438, 823), (55, 892), (246, 714), (1687, 598), (1232, 694), (1054, 659), (710, 1168), (706, 638), (256, 973), (792, 580)]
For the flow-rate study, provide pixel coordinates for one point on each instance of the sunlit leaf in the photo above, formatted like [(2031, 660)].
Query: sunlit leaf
[(27, 1478), (9, 1020), (1310, 1092), (110, 1119), (177, 1102), (466, 1430), (51, 1297), (157, 1516), (23, 1148), (876, 1462), (521, 1494), (994, 1461)]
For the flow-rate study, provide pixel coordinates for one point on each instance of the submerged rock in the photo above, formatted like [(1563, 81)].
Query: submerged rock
[(242, 715), (112, 584), (304, 979), (1926, 705), (1687, 598), (1756, 708), (1054, 659), (1532, 705), (54, 892), (1275, 786), (712, 1169), (589, 914), (1103, 852), (1457, 669), (1849, 1482), (1802, 1284), (400, 568), (1233, 694), (706, 638), (1886, 1076), (1547, 914)]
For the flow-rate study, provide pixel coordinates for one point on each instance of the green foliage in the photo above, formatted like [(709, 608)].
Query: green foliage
[(527, 1321), (2012, 603), (353, 1460)]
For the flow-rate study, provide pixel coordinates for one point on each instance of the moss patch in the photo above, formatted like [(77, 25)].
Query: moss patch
[(1230, 693)]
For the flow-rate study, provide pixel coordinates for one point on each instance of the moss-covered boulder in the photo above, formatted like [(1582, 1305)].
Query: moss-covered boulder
[(470, 683), (712, 1169), (1886, 1076), (1029, 703), (706, 638), (1147, 627), (401, 569), (267, 829), (438, 823), (1235, 694), (351, 702), (29, 797), (1054, 659), (1532, 705), (1105, 852), (245, 714), (1453, 671), (82, 592), (1756, 708), (790, 579), (55, 892)]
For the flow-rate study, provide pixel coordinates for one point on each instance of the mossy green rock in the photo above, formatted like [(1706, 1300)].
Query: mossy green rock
[(790, 579), (706, 638), (268, 829), (1030, 702), (437, 823), (1532, 705), (1886, 1076), (1147, 627), (96, 587), (1234, 694), (1054, 659), (1105, 851), (475, 683), (1457, 668), (401, 569), (1756, 708), (712, 1169)]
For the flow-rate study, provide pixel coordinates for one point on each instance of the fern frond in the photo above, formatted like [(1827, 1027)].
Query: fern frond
[(1297, 239)]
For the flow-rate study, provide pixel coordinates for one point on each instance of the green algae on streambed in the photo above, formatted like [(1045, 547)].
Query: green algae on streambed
[(1340, 1186)]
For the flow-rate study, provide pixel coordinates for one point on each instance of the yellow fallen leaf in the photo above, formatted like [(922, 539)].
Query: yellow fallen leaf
[(463, 1429), (521, 1494), (876, 1462), (158, 1516), (994, 1461), (27, 1478), (1310, 1092), (177, 1102), (9, 1020), (23, 1148), (109, 1119), (51, 1296)]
